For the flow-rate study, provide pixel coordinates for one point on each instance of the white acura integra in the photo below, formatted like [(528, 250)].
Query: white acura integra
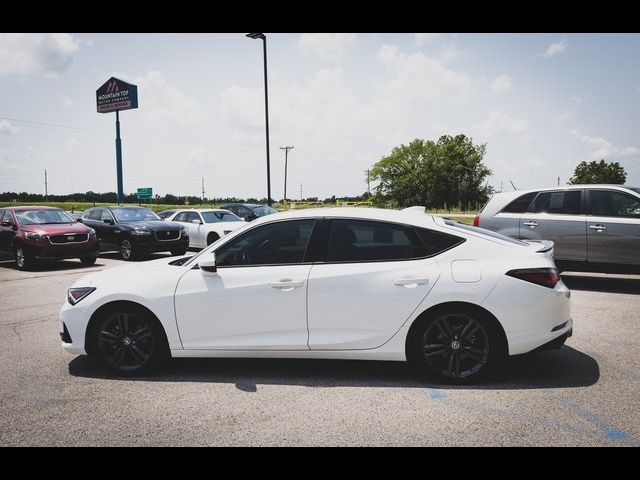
[(340, 283)]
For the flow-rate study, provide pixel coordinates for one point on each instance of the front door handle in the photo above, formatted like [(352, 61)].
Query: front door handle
[(531, 224), (410, 282), (287, 285), (597, 228)]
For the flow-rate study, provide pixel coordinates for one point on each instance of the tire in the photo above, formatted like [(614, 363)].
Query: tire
[(87, 261), (178, 252), (127, 250), (456, 345), (212, 237), (22, 258), (128, 340)]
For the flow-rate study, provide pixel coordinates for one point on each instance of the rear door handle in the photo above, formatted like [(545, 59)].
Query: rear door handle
[(287, 285), (531, 224), (598, 228), (410, 282)]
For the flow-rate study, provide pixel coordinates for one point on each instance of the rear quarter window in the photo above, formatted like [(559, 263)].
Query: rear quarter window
[(520, 204), (434, 243)]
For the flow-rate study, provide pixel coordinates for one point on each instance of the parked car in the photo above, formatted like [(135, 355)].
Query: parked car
[(74, 215), (135, 231), (30, 234), (206, 226), (166, 214), (593, 227), (342, 283), (249, 211)]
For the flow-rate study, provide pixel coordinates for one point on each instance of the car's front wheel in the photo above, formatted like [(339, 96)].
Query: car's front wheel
[(127, 249), (456, 345), (212, 237), (87, 261), (129, 340), (22, 258)]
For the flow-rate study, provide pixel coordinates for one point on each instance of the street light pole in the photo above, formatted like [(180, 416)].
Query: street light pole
[(266, 107), (286, 155)]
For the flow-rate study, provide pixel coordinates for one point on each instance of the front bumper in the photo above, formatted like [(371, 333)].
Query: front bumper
[(72, 325), (149, 243), (48, 251)]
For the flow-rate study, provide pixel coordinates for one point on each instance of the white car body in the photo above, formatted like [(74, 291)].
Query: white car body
[(199, 232), (322, 310)]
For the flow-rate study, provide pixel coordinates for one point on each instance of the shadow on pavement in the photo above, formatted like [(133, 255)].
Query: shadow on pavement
[(601, 283), (51, 266), (561, 368)]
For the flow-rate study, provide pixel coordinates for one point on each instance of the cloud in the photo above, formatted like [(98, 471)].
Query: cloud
[(67, 101), (36, 54), (7, 127), (555, 49), (570, 112), (601, 148), (420, 77), (163, 103), (499, 123), (421, 39), (502, 84), (327, 46)]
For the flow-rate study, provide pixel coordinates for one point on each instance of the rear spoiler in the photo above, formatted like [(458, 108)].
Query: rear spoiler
[(543, 246)]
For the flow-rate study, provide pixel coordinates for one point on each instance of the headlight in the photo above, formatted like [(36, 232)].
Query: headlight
[(141, 231), (34, 236), (92, 233), (74, 295)]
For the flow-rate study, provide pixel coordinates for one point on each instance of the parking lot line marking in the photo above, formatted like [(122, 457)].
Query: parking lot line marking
[(437, 394)]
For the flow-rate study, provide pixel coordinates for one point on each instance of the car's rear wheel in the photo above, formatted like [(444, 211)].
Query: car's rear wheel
[(127, 249), (128, 340), (457, 345), (22, 258), (88, 260), (212, 237)]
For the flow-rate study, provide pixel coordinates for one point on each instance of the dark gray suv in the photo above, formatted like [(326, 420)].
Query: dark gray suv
[(594, 227)]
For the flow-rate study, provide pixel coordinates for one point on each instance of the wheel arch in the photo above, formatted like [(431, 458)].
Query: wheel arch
[(88, 344), (447, 306)]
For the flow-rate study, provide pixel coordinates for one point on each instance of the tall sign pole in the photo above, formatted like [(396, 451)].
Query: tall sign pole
[(115, 95)]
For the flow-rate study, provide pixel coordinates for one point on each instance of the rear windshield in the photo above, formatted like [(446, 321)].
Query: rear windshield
[(484, 231), (43, 217)]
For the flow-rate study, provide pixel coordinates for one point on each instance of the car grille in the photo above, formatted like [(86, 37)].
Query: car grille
[(68, 238), (165, 235)]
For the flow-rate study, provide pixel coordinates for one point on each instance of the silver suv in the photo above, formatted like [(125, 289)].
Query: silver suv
[(594, 227)]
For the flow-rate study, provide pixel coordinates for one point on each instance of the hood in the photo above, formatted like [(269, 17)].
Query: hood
[(227, 225), (153, 225), (129, 270), (56, 229)]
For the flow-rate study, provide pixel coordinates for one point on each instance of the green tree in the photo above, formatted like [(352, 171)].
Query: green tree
[(446, 173), (598, 172)]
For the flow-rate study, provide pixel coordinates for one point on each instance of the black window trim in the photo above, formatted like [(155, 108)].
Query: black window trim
[(583, 203), (407, 226), (605, 189)]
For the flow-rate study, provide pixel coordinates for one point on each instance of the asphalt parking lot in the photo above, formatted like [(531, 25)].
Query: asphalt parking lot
[(587, 393)]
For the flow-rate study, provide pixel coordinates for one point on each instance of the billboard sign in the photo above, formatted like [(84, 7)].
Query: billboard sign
[(116, 94)]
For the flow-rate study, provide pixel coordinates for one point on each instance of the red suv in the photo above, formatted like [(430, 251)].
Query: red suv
[(45, 233)]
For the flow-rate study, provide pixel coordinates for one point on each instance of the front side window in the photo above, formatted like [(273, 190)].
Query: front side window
[(370, 241), (272, 244), (608, 203), (264, 210), (44, 217), (106, 216), (519, 205), (134, 214), (94, 214), (565, 202), (181, 217), (215, 217), (193, 216), (6, 217)]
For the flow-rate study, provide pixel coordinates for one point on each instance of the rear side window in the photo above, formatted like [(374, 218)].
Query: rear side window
[(520, 204), (567, 202), (607, 203), (368, 241)]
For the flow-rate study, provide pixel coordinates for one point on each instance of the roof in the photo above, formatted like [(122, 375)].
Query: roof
[(248, 204), (199, 210), (27, 207), (566, 187)]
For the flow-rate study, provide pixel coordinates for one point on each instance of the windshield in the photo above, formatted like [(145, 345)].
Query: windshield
[(637, 190), (484, 231), (134, 214), (215, 217), (43, 217), (263, 210)]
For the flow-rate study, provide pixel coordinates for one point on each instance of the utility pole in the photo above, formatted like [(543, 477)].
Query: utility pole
[(203, 190), (46, 187), (300, 191), (558, 181), (286, 155)]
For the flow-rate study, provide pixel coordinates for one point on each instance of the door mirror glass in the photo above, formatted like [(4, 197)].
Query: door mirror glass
[(5, 224), (196, 221), (208, 265), (79, 219)]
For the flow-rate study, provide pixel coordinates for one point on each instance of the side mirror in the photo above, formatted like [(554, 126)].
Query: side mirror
[(108, 221), (208, 266), (196, 221), (5, 224), (79, 219)]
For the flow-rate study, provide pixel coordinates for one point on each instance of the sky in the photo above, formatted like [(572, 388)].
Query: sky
[(541, 102)]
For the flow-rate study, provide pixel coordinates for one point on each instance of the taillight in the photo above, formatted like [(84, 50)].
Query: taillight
[(546, 277), (476, 221)]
